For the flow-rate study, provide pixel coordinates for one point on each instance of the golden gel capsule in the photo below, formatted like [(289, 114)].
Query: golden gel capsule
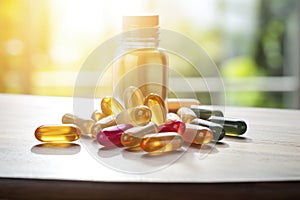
[(110, 106), (57, 133), (197, 134), (173, 117), (133, 97), (161, 142), (132, 137), (157, 107), (186, 114), (97, 115), (103, 123), (174, 104), (85, 125), (137, 116)]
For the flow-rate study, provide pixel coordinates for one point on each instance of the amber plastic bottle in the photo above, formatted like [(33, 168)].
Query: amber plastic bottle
[(139, 61)]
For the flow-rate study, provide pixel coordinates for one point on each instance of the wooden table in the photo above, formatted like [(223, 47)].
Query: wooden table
[(264, 163)]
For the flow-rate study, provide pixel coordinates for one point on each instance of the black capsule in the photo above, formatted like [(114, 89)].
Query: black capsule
[(217, 129), (232, 126), (205, 112)]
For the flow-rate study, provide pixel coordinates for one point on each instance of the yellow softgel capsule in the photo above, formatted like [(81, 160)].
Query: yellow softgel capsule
[(110, 106), (103, 123), (197, 134), (84, 124), (174, 104), (137, 116), (161, 142), (186, 114), (57, 133), (97, 115), (133, 97), (132, 137), (157, 107)]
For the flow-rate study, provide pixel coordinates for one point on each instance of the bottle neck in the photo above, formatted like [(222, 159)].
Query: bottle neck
[(141, 38)]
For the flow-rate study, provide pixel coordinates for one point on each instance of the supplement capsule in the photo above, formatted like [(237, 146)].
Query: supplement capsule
[(217, 129), (97, 115), (111, 136), (110, 106), (103, 123), (173, 117), (172, 126), (133, 97), (197, 134), (186, 114), (57, 133), (84, 124), (174, 104), (157, 107), (132, 137), (137, 116), (232, 126), (205, 112), (161, 142)]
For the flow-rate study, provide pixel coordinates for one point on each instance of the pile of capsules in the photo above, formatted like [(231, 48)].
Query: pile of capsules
[(146, 124)]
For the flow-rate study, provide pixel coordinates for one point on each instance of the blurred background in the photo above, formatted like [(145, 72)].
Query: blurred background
[(254, 43)]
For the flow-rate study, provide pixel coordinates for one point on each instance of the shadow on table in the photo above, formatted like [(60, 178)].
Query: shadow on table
[(108, 152), (133, 153), (222, 144), (56, 148)]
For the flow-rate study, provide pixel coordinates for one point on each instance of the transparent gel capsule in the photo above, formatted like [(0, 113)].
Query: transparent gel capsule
[(174, 104), (57, 133), (197, 134), (161, 142), (217, 129), (97, 115), (172, 117), (205, 112), (137, 116), (232, 126), (132, 137), (84, 124), (186, 114), (172, 126), (157, 107), (111, 136), (110, 106), (103, 123), (133, 97)]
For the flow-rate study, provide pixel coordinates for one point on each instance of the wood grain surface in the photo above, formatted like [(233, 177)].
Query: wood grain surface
[(264, 162)]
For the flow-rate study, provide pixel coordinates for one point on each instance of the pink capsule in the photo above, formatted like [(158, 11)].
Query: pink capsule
[(111, 136), (172, 126)]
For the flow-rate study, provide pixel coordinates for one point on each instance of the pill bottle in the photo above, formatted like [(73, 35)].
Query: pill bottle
[(139, 61)]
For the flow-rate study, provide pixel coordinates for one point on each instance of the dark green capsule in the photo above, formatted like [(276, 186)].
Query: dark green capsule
[(217, 129), (205, 112), (232, 126)]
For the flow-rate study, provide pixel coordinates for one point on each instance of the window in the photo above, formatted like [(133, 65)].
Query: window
[(254, 43)]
